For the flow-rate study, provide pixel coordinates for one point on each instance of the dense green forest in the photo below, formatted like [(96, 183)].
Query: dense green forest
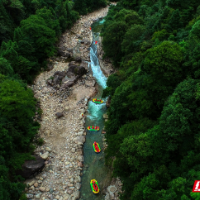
[(153, 131), (86, 6), (29, 30)]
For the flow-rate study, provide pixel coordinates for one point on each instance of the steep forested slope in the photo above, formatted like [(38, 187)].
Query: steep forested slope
[(29, 30), (153, 126)]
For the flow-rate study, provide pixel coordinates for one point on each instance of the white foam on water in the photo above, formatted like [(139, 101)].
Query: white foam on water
[(97, 73), (94, 110), (102, 21)]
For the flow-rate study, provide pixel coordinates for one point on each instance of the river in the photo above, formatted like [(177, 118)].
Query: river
[(94, 164)]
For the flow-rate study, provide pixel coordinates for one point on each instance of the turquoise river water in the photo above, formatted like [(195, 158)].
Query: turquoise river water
[(94, 164)]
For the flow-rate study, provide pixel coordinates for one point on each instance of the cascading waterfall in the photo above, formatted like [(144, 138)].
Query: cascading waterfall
[(97, 73), (94, 167)]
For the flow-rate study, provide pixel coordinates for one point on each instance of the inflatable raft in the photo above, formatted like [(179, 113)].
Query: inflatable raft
[(96, 147), (94, 186), (93, 128), (98, 101)]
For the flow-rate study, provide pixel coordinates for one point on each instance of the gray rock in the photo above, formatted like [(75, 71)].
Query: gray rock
[(66, 78), (77, 70), (78, 179), (90, 83), (61, 52), (66, 197), (50, 82), (84, 64), (45, 155), (61, 74), (56, 80), (42, 189), (67, 108), (84, 41), (70, 50), (81, 158), (78, 186), (105, 116), (37, 196), (59, 114), (32, 188), (111, 190), (29, 196), (57, 197), (48, 149), (71, 180), (80, 139), (78, 59), (31, 183), (73, 150), (69, 191), (107, 197), (70, 82), (31, 167), (76, 195)]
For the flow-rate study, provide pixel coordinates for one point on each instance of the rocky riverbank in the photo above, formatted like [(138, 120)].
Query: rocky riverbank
[(63, 93)]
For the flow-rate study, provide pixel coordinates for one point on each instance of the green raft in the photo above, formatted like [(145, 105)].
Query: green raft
[(93, 128)]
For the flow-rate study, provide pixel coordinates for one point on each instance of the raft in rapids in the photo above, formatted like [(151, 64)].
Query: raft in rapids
[(97, 101)]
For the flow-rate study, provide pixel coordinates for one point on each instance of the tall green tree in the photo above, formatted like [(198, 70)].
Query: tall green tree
[(113, 37)]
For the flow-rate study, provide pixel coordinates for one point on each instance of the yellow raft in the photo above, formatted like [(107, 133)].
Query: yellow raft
[(98, 101), (94, 186)]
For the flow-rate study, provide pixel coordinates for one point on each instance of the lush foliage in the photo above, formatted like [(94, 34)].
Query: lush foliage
[(153, 126), (17, 131), (86, 6), (32, 25)]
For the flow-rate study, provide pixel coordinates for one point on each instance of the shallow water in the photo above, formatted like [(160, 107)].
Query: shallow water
[(94, 167)]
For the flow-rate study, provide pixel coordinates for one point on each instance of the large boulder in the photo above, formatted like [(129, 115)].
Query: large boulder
[(84, 64), (58, 76), (90, 83), (75, 195), (78, 59), (61, 74), (79, 139), (56, 80), (70, 82), (32, 167), (59, 115), (50, 82), (77, 70), (61, 52), (111, 190)]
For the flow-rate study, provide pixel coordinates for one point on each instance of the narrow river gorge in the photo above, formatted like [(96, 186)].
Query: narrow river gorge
[(94, 167), (70, 161)]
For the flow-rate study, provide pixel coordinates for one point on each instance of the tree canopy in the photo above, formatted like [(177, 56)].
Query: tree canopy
[(153, 127)]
